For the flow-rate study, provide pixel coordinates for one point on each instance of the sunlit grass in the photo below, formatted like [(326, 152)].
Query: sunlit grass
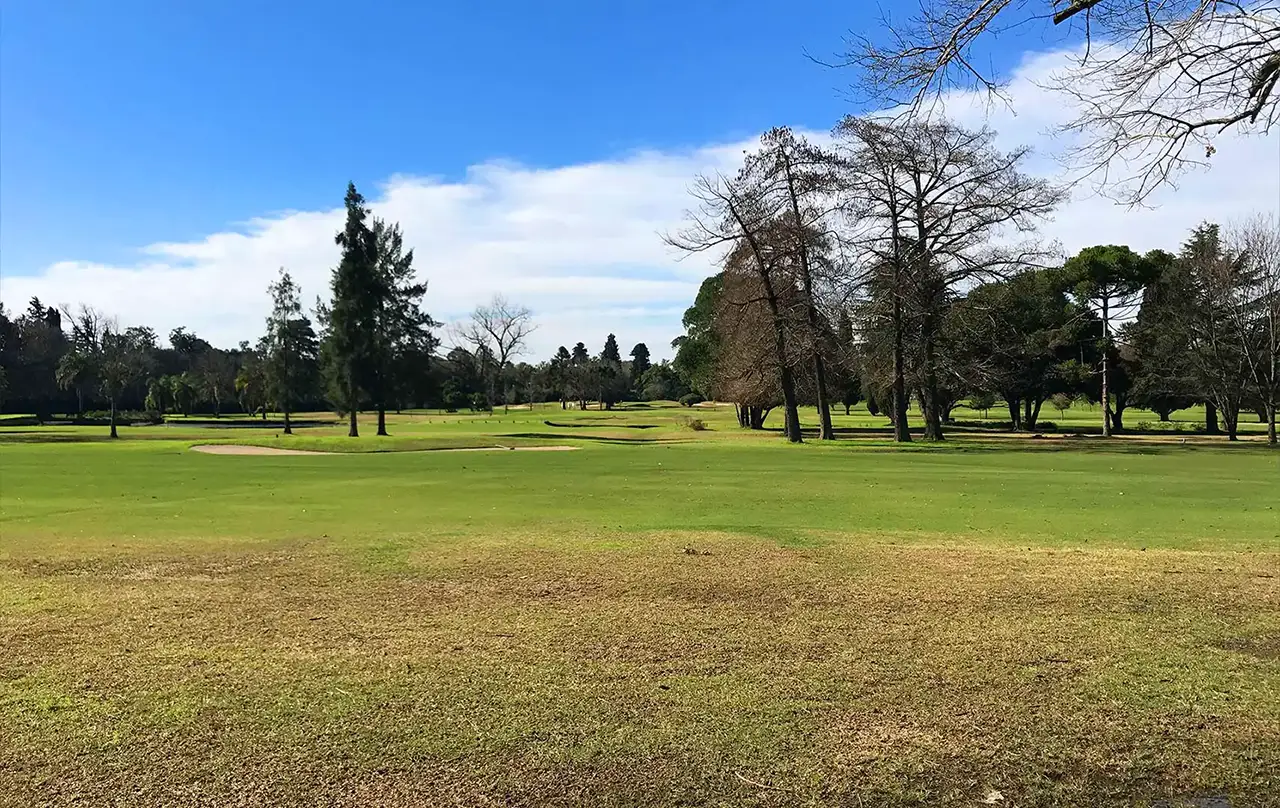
[(663, 617)]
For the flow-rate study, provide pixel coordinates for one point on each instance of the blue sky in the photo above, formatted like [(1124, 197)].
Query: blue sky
[(160, 160), (131, 122)]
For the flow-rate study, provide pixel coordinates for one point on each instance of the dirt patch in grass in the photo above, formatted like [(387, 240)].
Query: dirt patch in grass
[(229, 449)]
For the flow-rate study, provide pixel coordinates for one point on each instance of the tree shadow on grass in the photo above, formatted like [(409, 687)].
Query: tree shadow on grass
[(40, 436), (965, 441), (561, 437), (599, 426)]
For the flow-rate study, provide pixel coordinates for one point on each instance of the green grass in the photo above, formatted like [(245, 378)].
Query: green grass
[(663, 617)]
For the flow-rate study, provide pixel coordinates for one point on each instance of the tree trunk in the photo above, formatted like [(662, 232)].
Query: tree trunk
[(1231, 419), (792, 408), (288, 427), (757, 416), (1015, 412), (113, 418), (1106, 349), (1271, 424), (1031, 415), (825, 431), (901, 432), (382, 420), (353, 429), (846, 409), (1164, 415), (930, 404), (1211, 419), (1117, 418)]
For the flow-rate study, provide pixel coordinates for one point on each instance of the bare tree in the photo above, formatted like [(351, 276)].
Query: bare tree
[(1211, 288), (930, 199), (1254, 312), (498, 330), (741, 216), (1151, 85), (747, 368), (804, 176)]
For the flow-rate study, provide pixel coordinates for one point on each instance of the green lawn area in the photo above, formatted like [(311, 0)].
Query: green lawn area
[(663, 617)]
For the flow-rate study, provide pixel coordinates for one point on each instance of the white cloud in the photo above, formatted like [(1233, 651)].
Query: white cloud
[(581, 244), (1242, 177)]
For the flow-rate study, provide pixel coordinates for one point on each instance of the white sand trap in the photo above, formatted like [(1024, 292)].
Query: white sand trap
[(226, 449), (504, 449), (229, 449)]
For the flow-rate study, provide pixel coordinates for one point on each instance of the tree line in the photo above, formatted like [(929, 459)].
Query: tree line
[(479, 380), (369, 346), (373, 348), (902, 263)]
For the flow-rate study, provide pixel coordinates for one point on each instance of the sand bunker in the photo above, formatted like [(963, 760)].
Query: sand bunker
[(224, 449), (228, 449), (506, 449)]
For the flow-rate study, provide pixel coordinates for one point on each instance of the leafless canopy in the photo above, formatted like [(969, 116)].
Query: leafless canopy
[(1153, 83), (499, 331)]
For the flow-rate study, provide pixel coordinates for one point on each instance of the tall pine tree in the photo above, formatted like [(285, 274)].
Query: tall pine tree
[(640, 362), (289, 348), (400, 326), (610, 352), (349, 319)]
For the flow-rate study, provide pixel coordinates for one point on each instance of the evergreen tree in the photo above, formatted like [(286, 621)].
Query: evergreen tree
[(580, 374), (350, 318), (697, 351), (401, 339), (639, 364), (1162, 342), (610, 352), (1107, 278), (289, 348), (559, 374)]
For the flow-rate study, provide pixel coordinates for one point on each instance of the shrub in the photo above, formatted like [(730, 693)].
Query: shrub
[(692, 424), (1046, 426), (123, 417), (1062, 402), (689, 399), (983, 402)]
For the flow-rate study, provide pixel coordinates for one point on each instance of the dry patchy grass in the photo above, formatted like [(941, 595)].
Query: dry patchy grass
[(672, 669)]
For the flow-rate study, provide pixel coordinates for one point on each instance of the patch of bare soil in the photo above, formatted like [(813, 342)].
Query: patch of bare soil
[(542, 448), (227, 449)]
